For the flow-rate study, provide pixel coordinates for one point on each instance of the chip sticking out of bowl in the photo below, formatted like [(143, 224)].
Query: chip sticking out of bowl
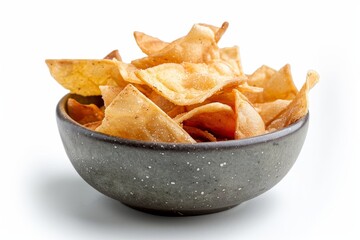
[(189, 86), (183, 130)]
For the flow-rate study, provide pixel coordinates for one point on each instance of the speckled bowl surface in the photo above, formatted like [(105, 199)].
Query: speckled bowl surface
[(179, 179)]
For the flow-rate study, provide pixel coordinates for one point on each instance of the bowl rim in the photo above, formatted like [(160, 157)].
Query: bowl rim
[(62, 115)]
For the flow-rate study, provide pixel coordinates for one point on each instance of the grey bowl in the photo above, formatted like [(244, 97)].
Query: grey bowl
[(179, 179)]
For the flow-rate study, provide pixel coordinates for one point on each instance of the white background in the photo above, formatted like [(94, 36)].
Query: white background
[(42, 197)]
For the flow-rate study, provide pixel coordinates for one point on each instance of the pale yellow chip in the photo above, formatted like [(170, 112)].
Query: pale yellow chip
[(84, 77), (148, 44), (127, 72), (298, 107), (269, 110), (198, 46), (248, 121), (188, 83), (217, 118), (108, 93), (132, 115)]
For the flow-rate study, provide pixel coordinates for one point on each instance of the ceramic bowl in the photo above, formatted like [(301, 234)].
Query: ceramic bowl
[(179, 179)]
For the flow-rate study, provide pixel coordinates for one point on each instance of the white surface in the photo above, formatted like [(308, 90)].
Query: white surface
[(42, 197)]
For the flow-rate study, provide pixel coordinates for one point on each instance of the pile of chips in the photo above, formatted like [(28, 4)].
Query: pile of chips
[(185, 91)]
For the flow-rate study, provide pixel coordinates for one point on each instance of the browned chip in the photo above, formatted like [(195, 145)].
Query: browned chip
[(113, 55), (200, 135), (92, 125), (84, 113), (217, 118), (132, 115)]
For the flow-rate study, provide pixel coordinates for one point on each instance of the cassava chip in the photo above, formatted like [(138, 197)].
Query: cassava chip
[(132, 115), (269, 110), (84, 77), (84, 113), (231, 55), (113, 55), (260, 76), (92, 125), (198, 46), (298, 106), (252, 93), (217, 31), (248, 121), (276, 85), (127, 72), (108, 93), (188, 83), (217, 118), (184, 91), (199, 135), (148, 44)]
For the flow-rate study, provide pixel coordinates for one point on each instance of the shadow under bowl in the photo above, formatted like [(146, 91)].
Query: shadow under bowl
[(179, 179)]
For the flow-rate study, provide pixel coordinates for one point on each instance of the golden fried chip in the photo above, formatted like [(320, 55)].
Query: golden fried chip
[(84, 77), (217, 31), (199, 135), (132, 115), (176, 111), (127, 72), (260, 76), (248, 121), (231, 55), (92, 125), (198, 46), (148, 44), (84, 113), (278, 85), (269, 110), (113, 55), (188, 83), (108, 93), (298, 107), (217, 118), (161, 102), (253, 94)]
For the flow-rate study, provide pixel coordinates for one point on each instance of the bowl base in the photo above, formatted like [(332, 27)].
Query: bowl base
[(181, 212)]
